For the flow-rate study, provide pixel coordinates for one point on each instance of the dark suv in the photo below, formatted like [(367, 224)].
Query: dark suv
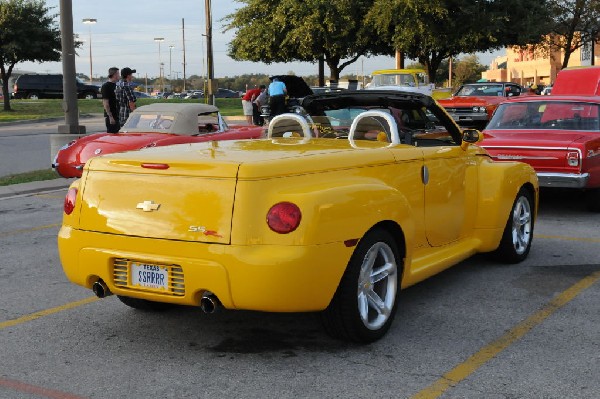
[(36, 86)]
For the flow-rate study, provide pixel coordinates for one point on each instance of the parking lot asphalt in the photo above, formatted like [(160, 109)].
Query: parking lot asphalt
[(478, 330)]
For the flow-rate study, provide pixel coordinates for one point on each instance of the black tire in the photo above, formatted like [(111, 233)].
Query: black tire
[(89, 95), (143, 304), (518, 232), (33, 95), (364, 305), (592, 199)]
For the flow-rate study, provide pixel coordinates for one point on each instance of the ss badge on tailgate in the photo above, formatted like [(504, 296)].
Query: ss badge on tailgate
[(202, 229)]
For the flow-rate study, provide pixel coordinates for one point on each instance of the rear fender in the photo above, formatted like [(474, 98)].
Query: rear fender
[(499, 183), (332, 211)]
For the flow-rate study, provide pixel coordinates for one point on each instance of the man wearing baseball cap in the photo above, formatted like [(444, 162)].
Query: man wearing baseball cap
[(125, 96)]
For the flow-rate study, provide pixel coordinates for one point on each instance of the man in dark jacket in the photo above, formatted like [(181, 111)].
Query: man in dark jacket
[(109, 101)]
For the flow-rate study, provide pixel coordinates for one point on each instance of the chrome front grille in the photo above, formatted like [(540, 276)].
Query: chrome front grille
[(456, 110)]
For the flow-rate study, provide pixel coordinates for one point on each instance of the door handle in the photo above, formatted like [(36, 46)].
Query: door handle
[(425, 174)]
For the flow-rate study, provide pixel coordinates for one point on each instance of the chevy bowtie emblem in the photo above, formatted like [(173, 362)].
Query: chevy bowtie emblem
[(148, 206)]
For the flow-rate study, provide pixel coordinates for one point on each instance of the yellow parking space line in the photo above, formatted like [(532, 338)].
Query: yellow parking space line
[(585, 239), (488, 352), (36, 390), (20, 231), (42, 313)]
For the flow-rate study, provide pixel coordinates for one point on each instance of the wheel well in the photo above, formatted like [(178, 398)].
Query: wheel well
[(529, 188), (396, 232)]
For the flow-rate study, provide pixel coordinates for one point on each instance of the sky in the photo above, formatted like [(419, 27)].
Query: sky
[(124, 34)]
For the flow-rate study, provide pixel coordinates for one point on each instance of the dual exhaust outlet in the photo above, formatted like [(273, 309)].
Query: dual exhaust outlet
[(100, 289), (209, 302)]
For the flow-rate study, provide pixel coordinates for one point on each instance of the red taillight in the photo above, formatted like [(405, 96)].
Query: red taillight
[(573, 158), (70, 200), (155, 166), (284, 217)]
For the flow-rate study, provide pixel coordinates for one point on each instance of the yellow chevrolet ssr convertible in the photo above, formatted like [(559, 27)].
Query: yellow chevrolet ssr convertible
[(339, 206)]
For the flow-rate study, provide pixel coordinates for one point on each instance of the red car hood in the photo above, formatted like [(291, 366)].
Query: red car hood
[(107, 143), (121, 141), (469, 101)]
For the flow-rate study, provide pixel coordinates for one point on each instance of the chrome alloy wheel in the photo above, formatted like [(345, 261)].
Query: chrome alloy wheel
[(377, 286), (521, 225)]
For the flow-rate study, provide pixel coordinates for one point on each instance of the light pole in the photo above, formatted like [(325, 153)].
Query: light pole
[(209, 51), (90, 22), (171, 47), (159, 40)]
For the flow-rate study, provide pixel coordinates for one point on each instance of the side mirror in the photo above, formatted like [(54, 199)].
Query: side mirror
[(470, 136)]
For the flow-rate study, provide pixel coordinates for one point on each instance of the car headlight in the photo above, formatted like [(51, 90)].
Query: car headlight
[(265, 110), (479, 109)]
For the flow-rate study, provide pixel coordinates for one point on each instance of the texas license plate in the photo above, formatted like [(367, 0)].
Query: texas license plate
[(149, 276)]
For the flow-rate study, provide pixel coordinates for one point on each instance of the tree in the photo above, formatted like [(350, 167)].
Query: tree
[(433, 30), (289, 30), (27, 33), (467, 69), (575, 23)]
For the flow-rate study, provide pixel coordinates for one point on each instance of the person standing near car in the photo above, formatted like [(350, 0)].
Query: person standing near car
[(277, 93), (257, 105), (247, 103), (125, 96), (109, 101), (255, 108)]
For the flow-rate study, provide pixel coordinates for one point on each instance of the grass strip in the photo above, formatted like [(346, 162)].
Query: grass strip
[(32, 110), (28, 177)]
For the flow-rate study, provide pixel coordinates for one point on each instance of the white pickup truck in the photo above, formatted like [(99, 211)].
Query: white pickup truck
[(411, 80)]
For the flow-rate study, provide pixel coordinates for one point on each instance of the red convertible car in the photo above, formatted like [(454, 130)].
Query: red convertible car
[(558, 135), (153, 125)]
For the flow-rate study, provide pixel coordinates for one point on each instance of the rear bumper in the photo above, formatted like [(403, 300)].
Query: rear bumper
[(564, 180), (259, 277)]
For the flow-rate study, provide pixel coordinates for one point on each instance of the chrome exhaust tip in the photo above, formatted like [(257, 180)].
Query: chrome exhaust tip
[(209, 303), (100, 289)]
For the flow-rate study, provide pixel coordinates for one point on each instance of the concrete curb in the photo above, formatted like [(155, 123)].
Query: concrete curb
[(36, 187), (235, 118)]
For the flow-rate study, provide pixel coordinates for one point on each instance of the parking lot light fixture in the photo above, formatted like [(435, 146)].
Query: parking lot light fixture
[(171, 47), (90, 22), (159, 40)]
